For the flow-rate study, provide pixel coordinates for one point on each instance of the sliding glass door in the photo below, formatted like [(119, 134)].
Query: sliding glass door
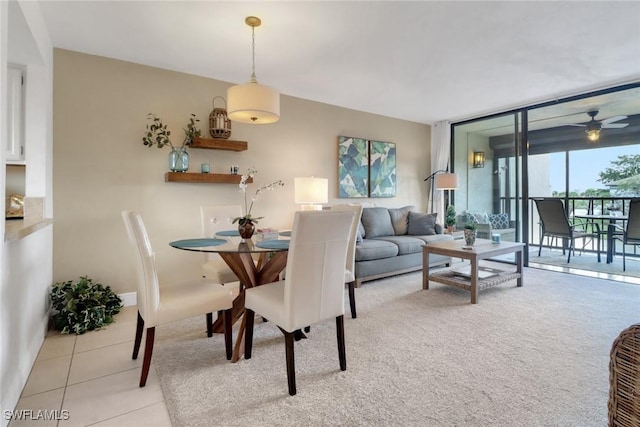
[(584, 150), (487, 158)]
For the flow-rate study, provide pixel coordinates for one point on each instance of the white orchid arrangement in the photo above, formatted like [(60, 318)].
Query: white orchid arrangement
[(242, 220)]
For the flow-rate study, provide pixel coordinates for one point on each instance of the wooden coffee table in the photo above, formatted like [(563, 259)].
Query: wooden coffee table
[(482, 249)]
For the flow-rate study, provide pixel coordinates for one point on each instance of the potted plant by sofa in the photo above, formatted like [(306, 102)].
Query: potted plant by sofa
[(450, 218), (157, 134), (470, 233)]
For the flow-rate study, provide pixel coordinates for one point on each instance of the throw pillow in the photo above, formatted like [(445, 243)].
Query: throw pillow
[(470, 218), (477, 217), (422, 224), (377, 222), (400, 219), (499, 221)]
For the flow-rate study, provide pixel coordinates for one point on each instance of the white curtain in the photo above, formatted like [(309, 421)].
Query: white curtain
[(440, 149)]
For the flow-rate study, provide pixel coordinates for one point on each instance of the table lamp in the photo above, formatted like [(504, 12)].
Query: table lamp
[(310, 192)]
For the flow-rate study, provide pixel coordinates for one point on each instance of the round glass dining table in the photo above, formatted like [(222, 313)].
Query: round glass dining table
[(239, 257)]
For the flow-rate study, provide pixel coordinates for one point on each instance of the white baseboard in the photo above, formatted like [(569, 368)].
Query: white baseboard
[(128, 298)]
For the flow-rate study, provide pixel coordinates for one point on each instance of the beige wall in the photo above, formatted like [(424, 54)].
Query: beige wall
[(101, 166)]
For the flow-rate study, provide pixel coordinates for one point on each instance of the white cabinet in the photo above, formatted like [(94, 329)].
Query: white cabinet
[(15, 114)]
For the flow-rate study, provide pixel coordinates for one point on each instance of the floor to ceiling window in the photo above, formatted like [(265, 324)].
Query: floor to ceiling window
[(584, 150)]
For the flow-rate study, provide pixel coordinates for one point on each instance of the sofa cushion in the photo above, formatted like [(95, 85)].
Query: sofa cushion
[(377, 222), (370, 249), (405, 244), (499, 221), (435, 238), (400, 219), (421, 224)]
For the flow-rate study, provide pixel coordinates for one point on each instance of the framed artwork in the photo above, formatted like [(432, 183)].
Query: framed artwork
[(382, 169), (366, 168), (353, 167)]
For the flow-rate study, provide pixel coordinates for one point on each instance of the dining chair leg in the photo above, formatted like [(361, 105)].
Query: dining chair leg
[(291, 366), (228, 340), (352, 300), (341, 350), (148, 351), (570, 249), (248, 332), (210, 324), (136, 342)]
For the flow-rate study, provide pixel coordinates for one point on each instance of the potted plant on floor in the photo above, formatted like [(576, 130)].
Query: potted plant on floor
[(83, 306), (450, 218)]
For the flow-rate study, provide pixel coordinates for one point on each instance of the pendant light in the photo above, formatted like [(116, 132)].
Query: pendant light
[(251, 102)]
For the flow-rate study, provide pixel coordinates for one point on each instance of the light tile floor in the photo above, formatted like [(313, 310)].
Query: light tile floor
[(92, 378)]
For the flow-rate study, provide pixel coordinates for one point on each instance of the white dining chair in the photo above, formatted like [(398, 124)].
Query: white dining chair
[(350, 267), (313, 288), (158, 305)]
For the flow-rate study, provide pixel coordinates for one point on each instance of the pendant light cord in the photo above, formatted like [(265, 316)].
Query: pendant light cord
[(253, 55)]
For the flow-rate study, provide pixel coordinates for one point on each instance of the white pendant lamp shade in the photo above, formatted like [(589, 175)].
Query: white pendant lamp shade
[(253, 103)]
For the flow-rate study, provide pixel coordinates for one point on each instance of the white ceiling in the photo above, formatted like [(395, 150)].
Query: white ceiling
[(422, 61)]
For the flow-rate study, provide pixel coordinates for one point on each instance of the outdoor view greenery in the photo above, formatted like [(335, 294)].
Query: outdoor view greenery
[(622, 178)]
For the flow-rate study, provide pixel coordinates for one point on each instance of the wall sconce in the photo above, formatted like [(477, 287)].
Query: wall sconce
[(478, 159), (310, 191)]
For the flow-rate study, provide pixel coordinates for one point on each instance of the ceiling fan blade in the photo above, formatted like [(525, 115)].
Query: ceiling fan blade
[(613, 119), (615, 125), (573, 124)]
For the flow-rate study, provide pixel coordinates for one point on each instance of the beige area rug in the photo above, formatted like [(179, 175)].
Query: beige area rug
[(531, 356)]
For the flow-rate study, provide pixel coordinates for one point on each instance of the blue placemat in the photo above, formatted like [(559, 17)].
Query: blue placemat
[(196, 243), (274, 244), (228, 233)]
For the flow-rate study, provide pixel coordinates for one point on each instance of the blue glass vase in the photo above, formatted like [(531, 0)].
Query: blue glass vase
[(178, 160)]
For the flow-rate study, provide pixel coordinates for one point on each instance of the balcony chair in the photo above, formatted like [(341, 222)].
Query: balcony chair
[(555, 223), (631, 233), (313, 288), (158, 305), (349, 273)]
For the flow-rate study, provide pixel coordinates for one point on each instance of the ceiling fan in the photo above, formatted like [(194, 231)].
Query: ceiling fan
[(594, 126)]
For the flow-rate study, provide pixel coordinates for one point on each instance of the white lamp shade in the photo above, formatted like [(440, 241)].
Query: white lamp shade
[(446, 181), (253, 103), (311, 190)]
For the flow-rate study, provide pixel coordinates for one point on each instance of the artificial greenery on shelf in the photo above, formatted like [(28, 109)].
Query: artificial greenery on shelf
[(83, 306), (157, 133)]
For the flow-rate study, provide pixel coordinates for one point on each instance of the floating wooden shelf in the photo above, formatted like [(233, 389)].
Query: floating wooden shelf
[(220, 178), (219, 144)]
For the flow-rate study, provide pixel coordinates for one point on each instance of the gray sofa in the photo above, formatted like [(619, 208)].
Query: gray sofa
[(390, 242)]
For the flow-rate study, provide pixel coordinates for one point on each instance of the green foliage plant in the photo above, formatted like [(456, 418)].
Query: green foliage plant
[(159, 135), (83, 306), (450, 216), (470, 226)]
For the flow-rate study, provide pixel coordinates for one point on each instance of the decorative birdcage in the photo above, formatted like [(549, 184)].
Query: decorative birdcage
[(219, 123)]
